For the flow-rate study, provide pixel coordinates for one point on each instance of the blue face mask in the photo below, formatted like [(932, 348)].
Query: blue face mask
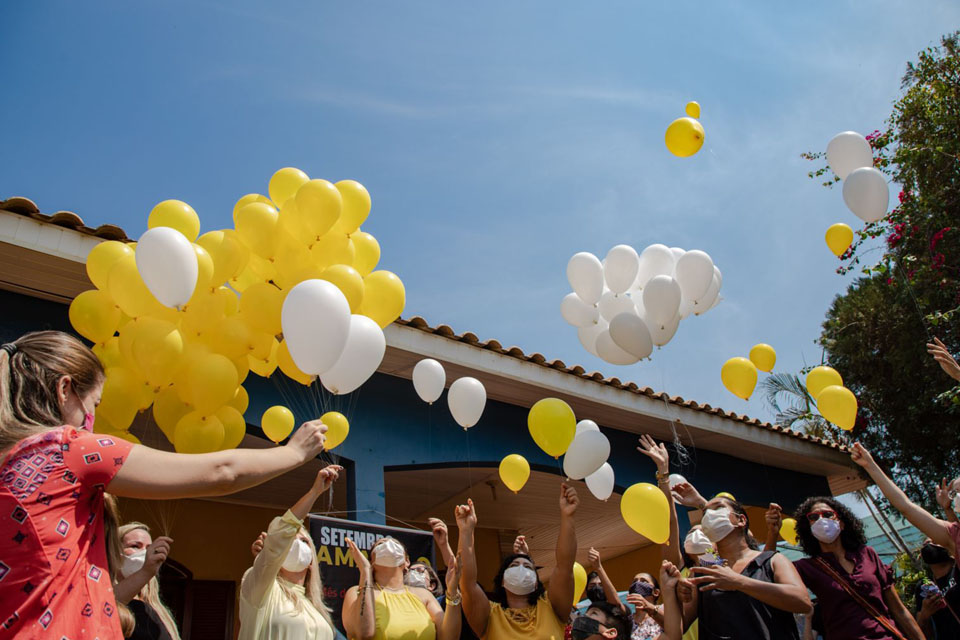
[(641, 588)]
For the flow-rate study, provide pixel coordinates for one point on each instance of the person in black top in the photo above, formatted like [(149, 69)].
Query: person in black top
[(938, 609)]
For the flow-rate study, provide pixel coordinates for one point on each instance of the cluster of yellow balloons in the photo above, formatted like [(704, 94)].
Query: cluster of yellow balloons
[(739, 375), (834, 401), (190, 363), (684, 136)]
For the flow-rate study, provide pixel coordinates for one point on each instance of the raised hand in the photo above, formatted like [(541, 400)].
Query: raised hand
[(718, 577), (861, 456), (453, 576), (943, 494), (946, 361), (326, 477), (439, 528), (641, 603), (774, 517), (669, 575), (656, 452), (257, 545), (157, 554), (466, 515), (520, 545), (688, 496), (362, 562), (594, 557), (568, 500), (309, 439)]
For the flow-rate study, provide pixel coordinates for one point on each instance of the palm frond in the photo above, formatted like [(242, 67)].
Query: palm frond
[(787, 387)]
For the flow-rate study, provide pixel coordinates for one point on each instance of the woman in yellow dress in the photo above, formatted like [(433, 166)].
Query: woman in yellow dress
[(521, 609), (382, 607)]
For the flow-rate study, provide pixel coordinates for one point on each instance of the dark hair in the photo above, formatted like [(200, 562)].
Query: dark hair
[(436, 591), (738, 509), (616, 618), (851, 537), (500, 594), (653, 579), (592, 575)]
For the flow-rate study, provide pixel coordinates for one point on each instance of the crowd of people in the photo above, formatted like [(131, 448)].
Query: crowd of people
[(70, 569)]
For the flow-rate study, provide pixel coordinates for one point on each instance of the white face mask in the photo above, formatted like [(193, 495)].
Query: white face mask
[(825, 530), (133, 563), (520, 580), (417, 579), (389, 553), (298, 557), (696, 543), (956, 503), (716, 524)]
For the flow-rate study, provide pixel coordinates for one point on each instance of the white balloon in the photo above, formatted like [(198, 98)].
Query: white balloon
[(661, 299), (360, 359), (686, 308), (588, 335), (706, 301), (315, 319), (467, 398), (847, 152), (168, 265), (675, 479), (694, 273), (611, 353), (577, 312), (620, 267), (656, 260), (662, 334), (587, 453), (613, 304), (586, 425), (601, 482), (677, 252), (866, 193), (629, 332), (429, 379), (585, 274)]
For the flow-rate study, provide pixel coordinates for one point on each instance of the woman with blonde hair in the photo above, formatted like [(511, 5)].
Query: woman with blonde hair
[(53, 475), (281, 595), (139, 588)]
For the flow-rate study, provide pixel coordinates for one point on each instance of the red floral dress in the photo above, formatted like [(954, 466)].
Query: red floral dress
[(54, 581)]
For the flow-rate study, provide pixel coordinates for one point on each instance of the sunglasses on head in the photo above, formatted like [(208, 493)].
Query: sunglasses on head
[(813, 516)]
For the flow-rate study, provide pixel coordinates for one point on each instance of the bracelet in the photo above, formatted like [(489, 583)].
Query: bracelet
[(663, 476), (454, 603)]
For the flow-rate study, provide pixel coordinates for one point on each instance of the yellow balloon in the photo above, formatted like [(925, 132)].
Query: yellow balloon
[(277, 423), (367, 252), (579, 581), (289, 367), (126, 435), (168, 408), (101, 425), (292, 223), (725, 494), (257, 227), (319, 204), (261, 304), (234, 427), (514, 471), (644, 508), (788, 530), (227, 252), (264, 367), (128, 290), (240, 400), (108, 352), (839, 237), (838, 405), (265, 269), (230, 337), (692, 109), (337, 429), (204, 271), (684, 137), (383, 297), (285, 183), (820, 378), (94, 315), (157, 349), (178, 215), (206, 310), (739, 376), (244, 280), (763, 357), (213, 382), (242, 365), (552, 425), (356, 205), (294, 261), (335, 247), (198, 433), (101, 259), (123, 393), (250, 198), (348, 281)]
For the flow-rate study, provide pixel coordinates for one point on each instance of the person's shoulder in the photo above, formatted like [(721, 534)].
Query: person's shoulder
[(424, 594)]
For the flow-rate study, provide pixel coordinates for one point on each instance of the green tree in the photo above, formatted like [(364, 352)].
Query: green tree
[(787, 394), (874, 334)]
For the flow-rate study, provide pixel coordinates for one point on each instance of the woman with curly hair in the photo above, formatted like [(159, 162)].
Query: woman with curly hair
[(853, 586)]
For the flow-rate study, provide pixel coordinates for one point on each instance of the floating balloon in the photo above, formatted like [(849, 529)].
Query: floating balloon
[(610, 352), (661, 299), (316, 322), (552, 424), (167, 263), (586, 425), (285, 183), (367, 252), (694, 273), (211, 382), (839, 237), (620, 268), (256, 225), (601, 482), (675, 479), (338, 428), (847, 152), (662, 334), (176, 215), (708, 299), (94, 315), (588, 335), (356, 205), (788, 530), (360, 359), (579, 582), (585, 274), (739, 376), (198, 433), (763, 357), (261, 304), (656, 260), (692, 109), (586, 454), (514, 471), (277, 423), (101, 260), (577, 312), (629, 332), (684, 137), (866, 193), (613, 304), (429, 379), (838, 405), (383, 297), (646, 510), (349, 281), (318, 205), (467, 398), (820, 378)]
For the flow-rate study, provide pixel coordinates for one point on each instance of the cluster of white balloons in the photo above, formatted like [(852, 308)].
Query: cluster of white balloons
[(865, 189), (586, 459), (467, 397), (629, 303)]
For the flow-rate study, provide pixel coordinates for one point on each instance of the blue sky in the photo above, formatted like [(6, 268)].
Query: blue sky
[(497, 139)]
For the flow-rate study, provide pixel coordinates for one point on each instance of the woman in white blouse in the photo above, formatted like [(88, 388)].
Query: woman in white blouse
[(281, 596)]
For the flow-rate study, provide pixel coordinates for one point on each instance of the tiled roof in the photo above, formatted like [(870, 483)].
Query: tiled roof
[(26, 207)]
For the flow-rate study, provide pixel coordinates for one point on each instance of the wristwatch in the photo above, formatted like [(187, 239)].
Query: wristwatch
[(454, 603)]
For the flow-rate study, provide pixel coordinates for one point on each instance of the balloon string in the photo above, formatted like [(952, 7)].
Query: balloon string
[(916, 303), (469, 463)]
